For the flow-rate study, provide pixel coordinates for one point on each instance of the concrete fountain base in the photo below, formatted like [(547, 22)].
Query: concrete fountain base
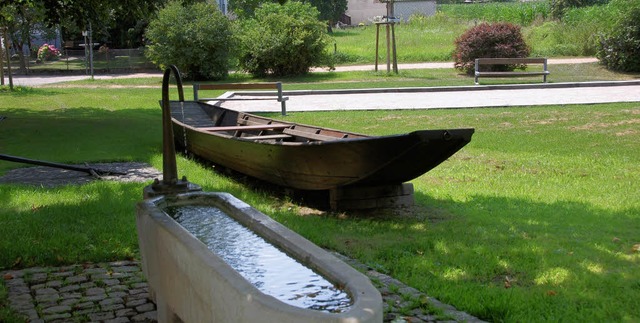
[(192, 284)]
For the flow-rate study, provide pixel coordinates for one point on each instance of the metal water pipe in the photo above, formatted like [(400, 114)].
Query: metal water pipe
[(170, 184)]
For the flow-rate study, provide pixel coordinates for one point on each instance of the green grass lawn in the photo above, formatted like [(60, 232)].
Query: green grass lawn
[(535, 220)]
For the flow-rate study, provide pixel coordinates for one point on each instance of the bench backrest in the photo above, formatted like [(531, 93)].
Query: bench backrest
[(237, 86), (507, 61)]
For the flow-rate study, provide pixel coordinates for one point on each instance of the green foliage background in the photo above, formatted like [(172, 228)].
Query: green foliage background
[(197, 38), (283, 40), (619, 49)]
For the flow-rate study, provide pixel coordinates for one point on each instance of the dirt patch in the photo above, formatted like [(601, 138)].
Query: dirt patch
[(604, 125)]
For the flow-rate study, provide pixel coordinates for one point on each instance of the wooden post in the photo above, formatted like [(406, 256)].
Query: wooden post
[(8, 55), (1, 65), (377, 42), (395, 57), (390, 37), (389, 7), (388, 49)]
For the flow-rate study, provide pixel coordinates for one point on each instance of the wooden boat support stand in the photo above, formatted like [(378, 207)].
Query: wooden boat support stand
[(371, 197), (356, 170)]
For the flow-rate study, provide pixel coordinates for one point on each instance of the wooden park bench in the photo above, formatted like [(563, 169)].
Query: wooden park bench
[(243, 86), (511, 61)]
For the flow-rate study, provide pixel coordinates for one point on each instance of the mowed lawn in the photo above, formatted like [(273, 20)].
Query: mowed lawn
[(537, 219)]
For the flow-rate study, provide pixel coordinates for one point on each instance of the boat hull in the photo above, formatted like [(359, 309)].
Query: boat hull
[(325, 164)]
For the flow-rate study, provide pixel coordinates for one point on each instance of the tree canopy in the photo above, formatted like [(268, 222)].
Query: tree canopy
[(330, 10), (108, 19)]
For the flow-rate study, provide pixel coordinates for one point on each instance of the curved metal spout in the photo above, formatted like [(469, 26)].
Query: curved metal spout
[(169, 168), (170, 183)]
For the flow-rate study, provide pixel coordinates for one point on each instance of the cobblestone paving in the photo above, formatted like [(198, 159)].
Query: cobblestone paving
[(118, 292), (109, 292), (403, 303)]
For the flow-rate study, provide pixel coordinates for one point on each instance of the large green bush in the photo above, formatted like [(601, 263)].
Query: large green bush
[(619, 49), (283, 40), (497, 40), (196, 38)]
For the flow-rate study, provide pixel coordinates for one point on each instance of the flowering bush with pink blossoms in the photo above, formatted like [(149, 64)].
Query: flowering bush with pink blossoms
[(48, 52)]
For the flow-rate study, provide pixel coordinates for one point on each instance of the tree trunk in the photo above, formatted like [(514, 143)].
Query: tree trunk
[(18, 44), (1, 63), (8, 55)]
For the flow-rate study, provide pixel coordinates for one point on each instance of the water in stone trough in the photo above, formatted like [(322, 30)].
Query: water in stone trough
[(272, 271)]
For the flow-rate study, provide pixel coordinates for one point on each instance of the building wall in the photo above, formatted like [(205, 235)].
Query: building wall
[(364, 10), (224, 6), (405, 9)]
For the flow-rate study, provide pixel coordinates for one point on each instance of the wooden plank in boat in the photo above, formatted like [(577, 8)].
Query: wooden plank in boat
[(267, 137), (310, 135), (254, 127)]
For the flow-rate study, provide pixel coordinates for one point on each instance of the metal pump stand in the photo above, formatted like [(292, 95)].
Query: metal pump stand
[(169, 185)]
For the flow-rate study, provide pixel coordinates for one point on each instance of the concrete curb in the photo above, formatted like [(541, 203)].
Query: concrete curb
[(445, 88)]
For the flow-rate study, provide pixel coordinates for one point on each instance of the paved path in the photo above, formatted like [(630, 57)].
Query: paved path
[(448, 97), (39, 80), (427, 65)]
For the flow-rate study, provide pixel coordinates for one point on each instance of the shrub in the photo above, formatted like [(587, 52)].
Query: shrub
[(620, 49), (560, 7), (283, 40), (549, 39), (522, 13), (48, 52), (498, 40), (196, 38)]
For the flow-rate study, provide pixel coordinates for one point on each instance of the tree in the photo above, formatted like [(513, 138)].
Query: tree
[(20, 18), (330, 10), (196, 38), (247, 8), (104, 16), (283, 40)]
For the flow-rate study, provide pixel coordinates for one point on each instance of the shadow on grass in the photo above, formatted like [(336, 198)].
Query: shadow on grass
[(563, 254), (81, 134), (491, 255), (26, 90), (68, 224)]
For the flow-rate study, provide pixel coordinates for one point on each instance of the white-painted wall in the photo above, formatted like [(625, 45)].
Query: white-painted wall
[(364, 10)]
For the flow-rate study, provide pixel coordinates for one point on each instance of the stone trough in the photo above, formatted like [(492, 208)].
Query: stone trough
[(190, 283)]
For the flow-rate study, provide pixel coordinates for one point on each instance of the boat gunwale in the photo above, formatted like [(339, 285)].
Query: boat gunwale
[(292, 125)]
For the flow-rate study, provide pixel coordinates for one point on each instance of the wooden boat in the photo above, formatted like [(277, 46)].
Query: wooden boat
[(306, 157)]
